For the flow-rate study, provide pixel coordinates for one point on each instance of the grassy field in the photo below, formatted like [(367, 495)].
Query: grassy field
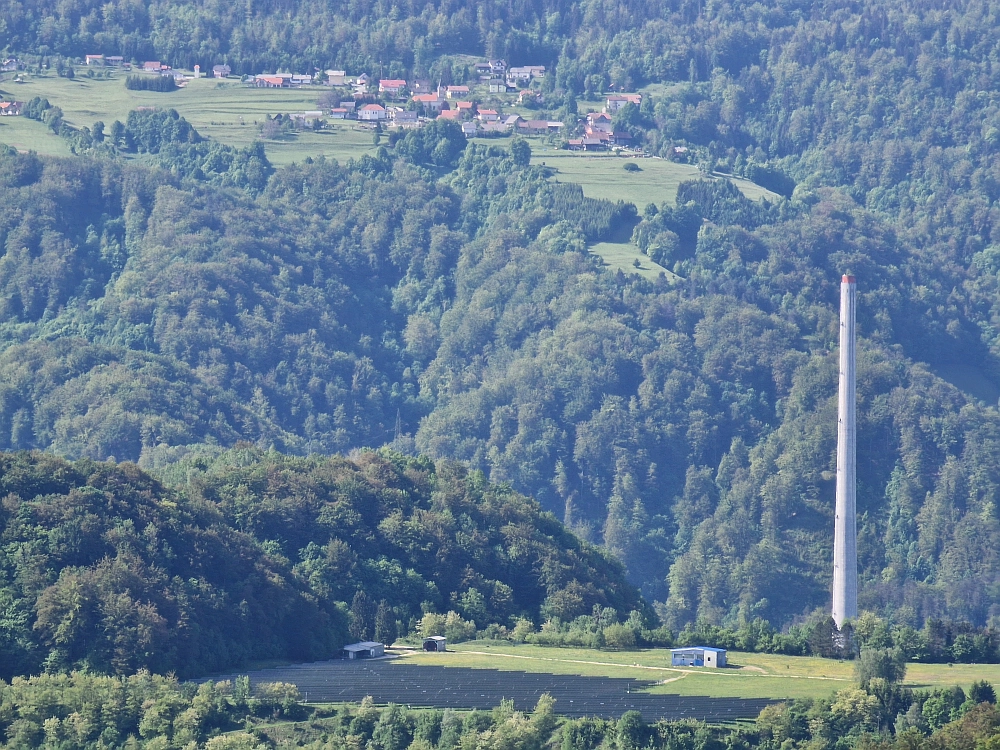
[(622, 255), (748, 676), (603, 176), (30, 135), (228, 112)]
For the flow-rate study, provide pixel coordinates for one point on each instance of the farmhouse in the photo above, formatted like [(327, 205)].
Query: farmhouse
[(10, 108), (338, 113), (698, 656), (615, 102), (360, 85), (522, 76), (598, 122), (588, 143), (221, 71), (372, 113), (336, 77), (93, 59), (270, 82), (431, 102), (464, 109), (449, 114), (456, 92), (10, 64), (491, 68), (391, 87), (404, 118), (488, 115), (152, 66), (114, 61), (533, 127), (364, 650), (469, 129)]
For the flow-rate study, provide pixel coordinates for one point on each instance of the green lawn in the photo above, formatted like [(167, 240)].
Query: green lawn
[(748, 676), (603, 176), (622, 255), (31, 135), (228, 112)]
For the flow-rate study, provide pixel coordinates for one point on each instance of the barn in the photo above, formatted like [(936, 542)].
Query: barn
[(364, 650)]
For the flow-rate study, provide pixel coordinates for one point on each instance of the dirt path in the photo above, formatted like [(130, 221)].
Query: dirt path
[(758, 672)]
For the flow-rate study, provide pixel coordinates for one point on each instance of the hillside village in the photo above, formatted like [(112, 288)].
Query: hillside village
[(498, 102)]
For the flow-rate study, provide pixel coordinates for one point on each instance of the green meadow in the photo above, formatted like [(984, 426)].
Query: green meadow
[(622, 256), (223, 110), (604, 176), (747, 676)]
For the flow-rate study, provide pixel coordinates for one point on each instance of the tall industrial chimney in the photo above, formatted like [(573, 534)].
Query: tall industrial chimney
[(845, 536)]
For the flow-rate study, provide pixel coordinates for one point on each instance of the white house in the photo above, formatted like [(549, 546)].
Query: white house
[(372, 113)]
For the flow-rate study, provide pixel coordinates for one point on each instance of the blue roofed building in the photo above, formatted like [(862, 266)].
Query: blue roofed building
[(698, 656)]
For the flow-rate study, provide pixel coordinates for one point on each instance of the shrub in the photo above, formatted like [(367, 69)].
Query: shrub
[(619, 637)]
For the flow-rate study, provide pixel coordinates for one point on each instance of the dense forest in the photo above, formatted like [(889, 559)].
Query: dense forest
[(262, 556), (163, 306)]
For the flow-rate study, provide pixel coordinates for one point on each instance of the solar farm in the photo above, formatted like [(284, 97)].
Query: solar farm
[(341, 681)]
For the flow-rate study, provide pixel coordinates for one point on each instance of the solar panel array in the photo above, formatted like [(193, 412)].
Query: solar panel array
[(459, 687)]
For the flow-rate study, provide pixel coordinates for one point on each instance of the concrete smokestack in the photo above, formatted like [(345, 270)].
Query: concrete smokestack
[(845, 536)]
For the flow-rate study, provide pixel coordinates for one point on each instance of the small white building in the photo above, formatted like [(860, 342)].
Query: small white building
[(364, 650), (698, 656), (435, 643)]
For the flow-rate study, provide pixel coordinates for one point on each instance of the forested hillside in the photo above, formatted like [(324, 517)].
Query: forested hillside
[(171, 304), (259, 556)]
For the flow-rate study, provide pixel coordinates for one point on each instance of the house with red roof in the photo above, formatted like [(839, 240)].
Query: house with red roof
[(372, 113), (393, 87), (430, 102)]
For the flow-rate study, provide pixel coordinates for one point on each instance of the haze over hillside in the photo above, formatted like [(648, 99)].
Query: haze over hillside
[(169, 300)]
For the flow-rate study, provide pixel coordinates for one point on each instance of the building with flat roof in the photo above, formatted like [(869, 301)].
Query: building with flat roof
[(698, 656), (364, 650)]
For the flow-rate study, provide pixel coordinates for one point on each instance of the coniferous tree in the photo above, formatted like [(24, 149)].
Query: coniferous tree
[(385, 624), (363, 612)]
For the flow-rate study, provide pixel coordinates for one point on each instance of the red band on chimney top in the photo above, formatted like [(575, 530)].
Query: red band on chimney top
[(848, 279)]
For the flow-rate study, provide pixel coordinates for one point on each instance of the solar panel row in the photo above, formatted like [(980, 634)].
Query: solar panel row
[(459, 687)]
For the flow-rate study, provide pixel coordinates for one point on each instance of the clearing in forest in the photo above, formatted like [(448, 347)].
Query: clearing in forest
[(748, 676)]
